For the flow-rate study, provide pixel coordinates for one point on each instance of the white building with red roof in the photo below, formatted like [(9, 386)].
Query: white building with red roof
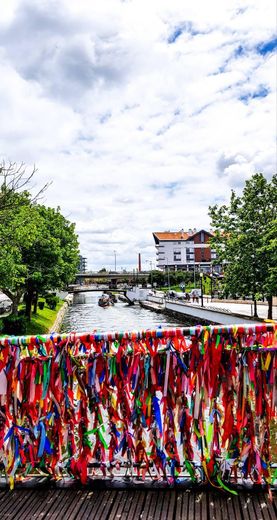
[(187, 250)]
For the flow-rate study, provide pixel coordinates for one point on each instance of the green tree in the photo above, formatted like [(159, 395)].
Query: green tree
[(18, 230), (157, 277), (39, 247), (18, 227), (245, 234), (52, 260)]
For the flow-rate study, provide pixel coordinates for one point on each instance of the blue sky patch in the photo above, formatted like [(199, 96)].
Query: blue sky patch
[(184, 27), (266, 47), (175, 35), (168, 186), (260, 93), (239, 51)]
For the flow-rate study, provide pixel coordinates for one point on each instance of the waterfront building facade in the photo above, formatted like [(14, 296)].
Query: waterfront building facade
[(82, 264), (185, 250)]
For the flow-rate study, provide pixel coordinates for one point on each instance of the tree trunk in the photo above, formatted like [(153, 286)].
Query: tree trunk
[(270, 302), (15, 303), (29, 298), (15, 298), (35, 301)]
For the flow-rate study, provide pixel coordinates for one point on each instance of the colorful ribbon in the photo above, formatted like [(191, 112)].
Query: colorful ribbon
[(168, 402)]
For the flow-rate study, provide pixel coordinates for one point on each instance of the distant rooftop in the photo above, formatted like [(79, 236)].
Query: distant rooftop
[(177, 235)]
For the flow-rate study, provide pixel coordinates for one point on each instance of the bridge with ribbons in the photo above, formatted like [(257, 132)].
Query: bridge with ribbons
[(178, 407)]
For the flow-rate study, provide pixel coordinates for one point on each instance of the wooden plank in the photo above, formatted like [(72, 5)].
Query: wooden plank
[(231, 513), (65, 500), (4, 495), (164, 511), (146, 507), (267, 507), (247, 507), (171, 508), (17, 501), (118, 498), (185, 504), (254, 508), (100, 507), (28, 510), (128, 503), (153, 506), (179, 506), (204, 506), (80, 496), (237, 507), (159, 505), (44, 507), (137, 505), (124, 503), (197, 506), (106, 513), (90, 504), (215, 512), (190, 509), (223, 505)]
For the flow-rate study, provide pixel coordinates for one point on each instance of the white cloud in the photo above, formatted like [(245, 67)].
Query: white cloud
[(137, 134)]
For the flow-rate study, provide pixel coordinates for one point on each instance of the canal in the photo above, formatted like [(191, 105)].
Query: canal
[(86, 315)]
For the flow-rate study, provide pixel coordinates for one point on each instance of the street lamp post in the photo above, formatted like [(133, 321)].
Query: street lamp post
[(151, 273), (168, 279), (201, 289), (114, 260)]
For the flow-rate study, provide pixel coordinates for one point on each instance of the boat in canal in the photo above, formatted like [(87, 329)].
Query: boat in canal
[(105, 301)]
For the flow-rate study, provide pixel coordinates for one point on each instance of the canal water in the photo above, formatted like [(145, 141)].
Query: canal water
[(86, 315)]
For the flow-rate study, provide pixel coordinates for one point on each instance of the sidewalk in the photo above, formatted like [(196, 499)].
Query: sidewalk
[(245, 309)]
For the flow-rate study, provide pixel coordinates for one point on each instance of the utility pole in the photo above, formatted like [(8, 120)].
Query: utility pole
[(201, 289)]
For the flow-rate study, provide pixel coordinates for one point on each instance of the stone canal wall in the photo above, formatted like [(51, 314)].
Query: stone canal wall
[(56, 327)]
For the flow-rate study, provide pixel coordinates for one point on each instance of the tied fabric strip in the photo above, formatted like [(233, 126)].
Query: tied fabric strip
[(196, 402)]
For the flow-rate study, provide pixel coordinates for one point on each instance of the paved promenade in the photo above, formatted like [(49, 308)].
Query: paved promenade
[(245, 309)]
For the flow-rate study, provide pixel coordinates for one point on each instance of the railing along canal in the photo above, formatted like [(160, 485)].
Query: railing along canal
[(167, 404)]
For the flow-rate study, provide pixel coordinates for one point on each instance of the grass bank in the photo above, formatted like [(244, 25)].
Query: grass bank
[(44, 319)]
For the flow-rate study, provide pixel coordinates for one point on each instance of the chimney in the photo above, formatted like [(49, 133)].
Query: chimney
[(139, 263)]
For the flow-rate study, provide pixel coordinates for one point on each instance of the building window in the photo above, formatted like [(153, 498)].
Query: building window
[(202, 237), (176, 256)]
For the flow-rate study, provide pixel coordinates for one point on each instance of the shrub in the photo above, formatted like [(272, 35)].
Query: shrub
[(15, 325), (52, 301)]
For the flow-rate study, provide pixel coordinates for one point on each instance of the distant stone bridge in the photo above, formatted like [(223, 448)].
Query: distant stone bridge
[(112, 277)]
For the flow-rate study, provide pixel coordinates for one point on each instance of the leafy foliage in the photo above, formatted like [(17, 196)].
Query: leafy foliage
[(245, 238), (39, 245)]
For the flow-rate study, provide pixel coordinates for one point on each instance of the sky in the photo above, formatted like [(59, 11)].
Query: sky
[(141, 113)]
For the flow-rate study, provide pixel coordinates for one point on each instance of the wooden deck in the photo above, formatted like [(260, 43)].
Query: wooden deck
[(70, 504)]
